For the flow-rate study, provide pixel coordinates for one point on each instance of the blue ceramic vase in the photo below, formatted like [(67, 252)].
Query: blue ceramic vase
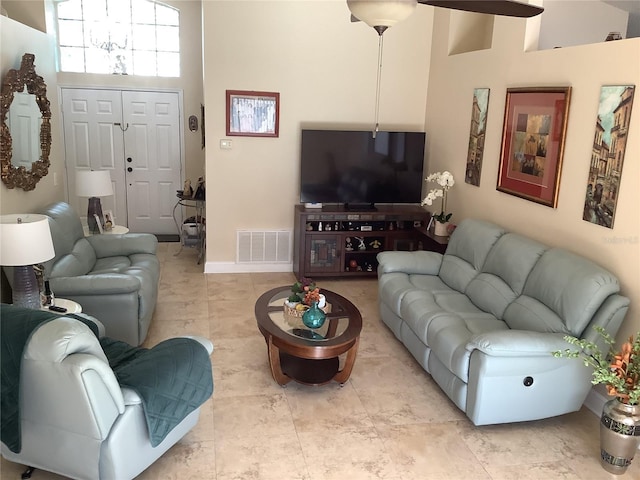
[(314, 317)]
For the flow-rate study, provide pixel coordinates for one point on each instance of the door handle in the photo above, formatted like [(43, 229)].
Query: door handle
[(129, 169), (129, 159)]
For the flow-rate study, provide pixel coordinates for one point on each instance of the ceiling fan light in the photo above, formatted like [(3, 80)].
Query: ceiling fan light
[(381, 13)]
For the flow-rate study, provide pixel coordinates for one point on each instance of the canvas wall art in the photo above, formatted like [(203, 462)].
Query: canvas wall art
[(477, 133), (607, 154)]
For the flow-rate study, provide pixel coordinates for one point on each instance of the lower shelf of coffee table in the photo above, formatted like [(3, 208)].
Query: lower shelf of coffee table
[(308, 371)]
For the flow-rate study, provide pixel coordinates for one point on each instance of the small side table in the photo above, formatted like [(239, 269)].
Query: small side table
[(115, 230), (70, 305)]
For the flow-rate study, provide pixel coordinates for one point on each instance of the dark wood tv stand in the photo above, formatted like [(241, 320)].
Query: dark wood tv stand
[(329, 241)]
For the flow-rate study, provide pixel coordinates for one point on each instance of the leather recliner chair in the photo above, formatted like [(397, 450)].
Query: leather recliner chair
[(113, 277), (77, 420)]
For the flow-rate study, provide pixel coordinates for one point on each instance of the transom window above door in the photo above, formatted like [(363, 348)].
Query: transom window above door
[(126, 37)]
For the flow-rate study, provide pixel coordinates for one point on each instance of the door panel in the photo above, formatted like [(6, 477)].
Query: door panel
[(93, 140), (152, 142)]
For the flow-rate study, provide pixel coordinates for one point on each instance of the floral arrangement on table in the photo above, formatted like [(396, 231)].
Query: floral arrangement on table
[(619, 370), (303, 293), (446, 181)]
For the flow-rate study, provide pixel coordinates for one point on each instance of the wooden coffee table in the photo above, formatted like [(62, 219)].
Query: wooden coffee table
[(311, 357)]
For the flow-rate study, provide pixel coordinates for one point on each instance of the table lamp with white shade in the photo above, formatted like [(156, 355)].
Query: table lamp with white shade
[(94, 184), (25, 240)]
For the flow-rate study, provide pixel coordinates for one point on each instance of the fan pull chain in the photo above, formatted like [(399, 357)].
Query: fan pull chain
[(380, 44)]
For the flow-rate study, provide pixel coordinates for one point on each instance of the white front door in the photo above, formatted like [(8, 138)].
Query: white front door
[(152, 146), (103, 129)]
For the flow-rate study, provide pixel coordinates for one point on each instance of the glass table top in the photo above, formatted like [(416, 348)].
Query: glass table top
[(335, 325)]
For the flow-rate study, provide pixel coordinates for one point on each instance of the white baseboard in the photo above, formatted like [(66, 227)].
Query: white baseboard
[(595, 402), (232, 267)]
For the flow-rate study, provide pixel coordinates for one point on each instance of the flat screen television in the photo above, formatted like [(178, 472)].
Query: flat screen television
[(353, 167)]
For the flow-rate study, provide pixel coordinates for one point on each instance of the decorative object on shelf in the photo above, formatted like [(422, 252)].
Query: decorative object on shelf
[(253, 114), (619, 371), (348, 245), (477, 135), (109, 220), (441, 229), (375, 244), (607, 157), (25, 240), (314, 317), (533, 135), (200, 193), (187, 191), (94, 184), (446, 181), (303, 294), (361, 244)]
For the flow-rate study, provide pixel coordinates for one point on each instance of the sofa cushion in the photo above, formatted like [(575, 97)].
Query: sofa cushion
[(79, 261), (504, 273), (467, 251), (445, 321), (562, 294)]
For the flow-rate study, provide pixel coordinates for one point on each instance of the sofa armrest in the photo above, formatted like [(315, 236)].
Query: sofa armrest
[(102, 284), (123, 245), (419, 262), (517, 343)]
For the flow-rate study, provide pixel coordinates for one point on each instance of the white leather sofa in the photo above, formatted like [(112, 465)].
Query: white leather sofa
[(75, 419), (484, 318)]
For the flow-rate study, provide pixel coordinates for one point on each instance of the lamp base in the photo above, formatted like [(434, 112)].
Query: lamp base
[(25, 292), (95, 209)]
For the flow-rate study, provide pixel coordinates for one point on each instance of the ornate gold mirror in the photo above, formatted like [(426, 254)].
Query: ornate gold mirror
[(28, 120)]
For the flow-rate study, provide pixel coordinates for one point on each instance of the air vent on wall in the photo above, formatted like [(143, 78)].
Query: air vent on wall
[(264, 247)]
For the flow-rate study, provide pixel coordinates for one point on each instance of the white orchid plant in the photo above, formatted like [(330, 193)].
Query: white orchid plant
[(446, 181)]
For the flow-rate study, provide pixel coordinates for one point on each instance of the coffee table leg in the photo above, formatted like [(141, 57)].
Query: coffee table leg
[(274, 364), (343, 375)]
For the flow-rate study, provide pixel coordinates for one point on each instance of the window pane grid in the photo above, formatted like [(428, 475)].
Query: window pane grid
[(139, 37)]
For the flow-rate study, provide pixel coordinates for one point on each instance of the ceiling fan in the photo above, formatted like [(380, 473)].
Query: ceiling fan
[(382, 14)]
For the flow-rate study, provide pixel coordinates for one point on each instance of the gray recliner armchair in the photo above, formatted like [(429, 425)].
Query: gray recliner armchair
[(91, 408), (113, 277)]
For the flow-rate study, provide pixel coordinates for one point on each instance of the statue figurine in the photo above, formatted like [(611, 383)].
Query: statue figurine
[(188, 189), (361, 245), (348, 245), (375, 244)]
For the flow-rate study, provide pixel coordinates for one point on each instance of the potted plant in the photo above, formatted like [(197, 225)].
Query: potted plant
[(445, 181), (303, 293), (619, 371)]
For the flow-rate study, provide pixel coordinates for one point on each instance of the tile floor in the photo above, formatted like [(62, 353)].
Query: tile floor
[(390, 421)]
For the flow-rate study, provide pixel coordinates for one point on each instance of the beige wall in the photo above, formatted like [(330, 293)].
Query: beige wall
[(324, 68), (585, 68), (18, 39)]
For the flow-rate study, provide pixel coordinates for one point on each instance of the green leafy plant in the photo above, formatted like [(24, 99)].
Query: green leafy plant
[(446, 181), (304, 291), (619, 370)]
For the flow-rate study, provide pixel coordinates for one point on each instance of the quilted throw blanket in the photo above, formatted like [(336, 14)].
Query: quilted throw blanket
[(16, 326), (173, 379)]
